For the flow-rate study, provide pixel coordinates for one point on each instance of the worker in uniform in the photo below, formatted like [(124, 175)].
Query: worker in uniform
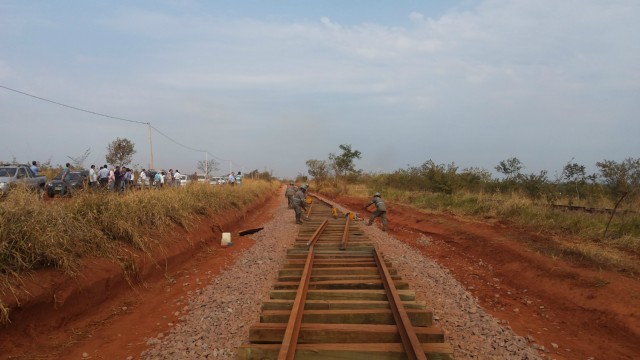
[(291, 190), (381, 210), (298, 202)]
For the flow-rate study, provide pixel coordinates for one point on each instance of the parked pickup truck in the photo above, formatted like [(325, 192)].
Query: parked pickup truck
[(13, 175)]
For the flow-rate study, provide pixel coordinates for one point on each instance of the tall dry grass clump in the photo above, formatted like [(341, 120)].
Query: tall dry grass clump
[(36, 234)]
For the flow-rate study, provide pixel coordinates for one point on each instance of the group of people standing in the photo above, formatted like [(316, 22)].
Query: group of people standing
[(164, 178), (119, 178), (296, 197), (235, 179)]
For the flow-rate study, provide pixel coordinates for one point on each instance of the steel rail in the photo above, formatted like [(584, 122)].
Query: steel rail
[(316, 234), (309, 211), (290, 340), (345, 235), (321, 199), (410, 342)]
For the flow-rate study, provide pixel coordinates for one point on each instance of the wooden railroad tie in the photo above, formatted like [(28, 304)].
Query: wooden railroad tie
[(337, 298)]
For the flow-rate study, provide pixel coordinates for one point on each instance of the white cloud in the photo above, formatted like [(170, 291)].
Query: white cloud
[(501, 70), (329, 24), (416, 16)]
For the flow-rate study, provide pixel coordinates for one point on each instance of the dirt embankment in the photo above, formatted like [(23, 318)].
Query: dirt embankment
[(102, 307), (574, 311)]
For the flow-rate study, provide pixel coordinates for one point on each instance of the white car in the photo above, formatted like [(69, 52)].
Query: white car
[(216, 180), (184, 179)]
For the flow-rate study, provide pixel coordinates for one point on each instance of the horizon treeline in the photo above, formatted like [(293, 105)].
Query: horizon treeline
[(612, 183)]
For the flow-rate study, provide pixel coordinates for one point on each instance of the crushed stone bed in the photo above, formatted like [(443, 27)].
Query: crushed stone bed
[(217, 318)]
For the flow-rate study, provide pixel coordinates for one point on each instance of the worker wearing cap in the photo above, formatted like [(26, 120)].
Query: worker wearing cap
[(298, 202), (291, 190), (381, 210)]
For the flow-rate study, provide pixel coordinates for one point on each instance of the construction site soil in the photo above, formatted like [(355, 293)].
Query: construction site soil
[(568, 310)]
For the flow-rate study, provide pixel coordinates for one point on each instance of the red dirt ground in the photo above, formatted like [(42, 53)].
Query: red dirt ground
[(101, 315), (586, 312)]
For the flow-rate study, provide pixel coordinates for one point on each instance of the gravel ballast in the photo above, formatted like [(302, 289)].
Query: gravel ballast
[(216, 318)]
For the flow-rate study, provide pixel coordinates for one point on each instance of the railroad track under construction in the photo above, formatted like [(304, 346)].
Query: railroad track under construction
[(338, 298)]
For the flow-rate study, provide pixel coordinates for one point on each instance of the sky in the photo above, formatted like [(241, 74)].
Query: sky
[(268, 85)]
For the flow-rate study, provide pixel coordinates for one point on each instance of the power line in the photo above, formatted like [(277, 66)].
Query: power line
[(73, 107), (112, 117), (176, 142)]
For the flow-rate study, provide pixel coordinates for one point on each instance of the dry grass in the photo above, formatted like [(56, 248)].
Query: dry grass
[(579, 235), (35, 235)]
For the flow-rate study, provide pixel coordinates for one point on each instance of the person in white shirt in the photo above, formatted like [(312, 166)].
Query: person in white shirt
[(176, 176), (143, 178), (93, 177), (103, 176), (112, 179)]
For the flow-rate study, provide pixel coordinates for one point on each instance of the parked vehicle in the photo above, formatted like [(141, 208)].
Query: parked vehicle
[(217, 180), (184, 179), (14, 175), (77, 180)]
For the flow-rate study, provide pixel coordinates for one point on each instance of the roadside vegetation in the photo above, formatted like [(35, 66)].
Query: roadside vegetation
[(36, 234), (593, 218)]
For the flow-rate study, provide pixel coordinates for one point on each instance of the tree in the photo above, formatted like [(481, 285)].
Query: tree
[(318, 169), (257, 174), (534, 184), (208, 166), (575, 174), (510, 167), (120, 152), (436, 177), (78, 162), (474, 178), (343, 163), (622, 177)]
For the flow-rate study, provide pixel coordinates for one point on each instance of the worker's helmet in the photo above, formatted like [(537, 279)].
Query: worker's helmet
[(377, 194), (305, 186)]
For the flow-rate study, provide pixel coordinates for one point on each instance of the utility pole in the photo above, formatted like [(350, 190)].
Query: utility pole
[(206, 165), (150, 148)]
